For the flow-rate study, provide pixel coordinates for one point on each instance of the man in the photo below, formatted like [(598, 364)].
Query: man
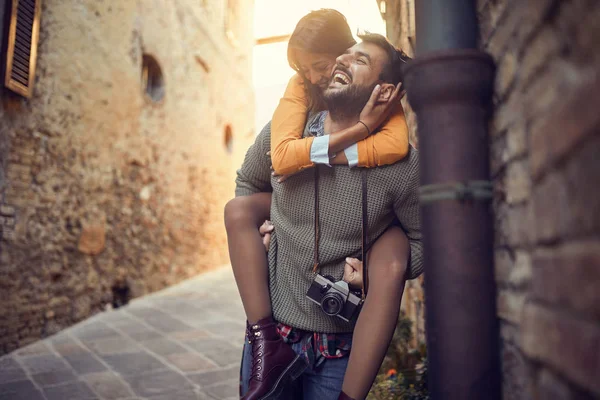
[(392, 196)]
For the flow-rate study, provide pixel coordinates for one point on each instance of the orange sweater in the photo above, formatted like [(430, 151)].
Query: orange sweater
[(290, 152)]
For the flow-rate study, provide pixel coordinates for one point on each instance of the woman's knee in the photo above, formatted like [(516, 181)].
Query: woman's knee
[(249, 211), (390, 254), (238, 211)]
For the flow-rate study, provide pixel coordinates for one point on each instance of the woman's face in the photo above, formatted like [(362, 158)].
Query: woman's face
[(316, 67)]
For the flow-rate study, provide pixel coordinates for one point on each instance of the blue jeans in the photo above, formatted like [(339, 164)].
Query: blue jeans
[(323, 382)]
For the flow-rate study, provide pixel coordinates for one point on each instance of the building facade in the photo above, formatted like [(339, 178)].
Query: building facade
[(544, 147), (114, 174)]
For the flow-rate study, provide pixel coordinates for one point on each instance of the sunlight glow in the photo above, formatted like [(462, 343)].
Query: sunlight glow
[(271, 71)]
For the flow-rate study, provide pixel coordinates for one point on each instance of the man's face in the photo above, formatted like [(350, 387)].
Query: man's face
[(360, 65), (354, 77)]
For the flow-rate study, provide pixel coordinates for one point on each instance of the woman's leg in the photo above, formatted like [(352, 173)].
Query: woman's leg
[(388, 262), (243, 217)]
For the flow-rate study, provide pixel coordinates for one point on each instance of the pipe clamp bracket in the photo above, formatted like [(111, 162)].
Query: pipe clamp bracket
[(461, 191)]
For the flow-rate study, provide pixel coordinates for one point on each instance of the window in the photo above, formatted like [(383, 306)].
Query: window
[(21, 53)]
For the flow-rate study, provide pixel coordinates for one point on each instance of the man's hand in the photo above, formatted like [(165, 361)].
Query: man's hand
[(377, 110), (265, 231), (353, 273)]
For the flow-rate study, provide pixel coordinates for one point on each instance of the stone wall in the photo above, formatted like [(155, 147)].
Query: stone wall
[(544, 145), (106, 192)]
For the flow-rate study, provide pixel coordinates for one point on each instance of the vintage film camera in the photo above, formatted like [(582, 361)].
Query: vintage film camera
[(335, 298)]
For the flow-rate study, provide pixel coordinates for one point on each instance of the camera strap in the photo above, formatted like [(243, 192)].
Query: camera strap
[(364, 230)]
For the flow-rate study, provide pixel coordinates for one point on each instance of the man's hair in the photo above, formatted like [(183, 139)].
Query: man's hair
[(393, 70)]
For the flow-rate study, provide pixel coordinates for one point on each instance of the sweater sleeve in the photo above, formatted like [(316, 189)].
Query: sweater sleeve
[(290, 152), (387, 146), (254, 176), (406, 207)]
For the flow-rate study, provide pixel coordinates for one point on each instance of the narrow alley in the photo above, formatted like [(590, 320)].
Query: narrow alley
[(181, 343)]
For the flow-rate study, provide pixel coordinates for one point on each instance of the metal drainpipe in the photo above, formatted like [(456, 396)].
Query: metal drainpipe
[(450, 85)]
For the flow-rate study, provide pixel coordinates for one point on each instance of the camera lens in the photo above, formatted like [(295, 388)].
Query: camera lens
[(332, 303)]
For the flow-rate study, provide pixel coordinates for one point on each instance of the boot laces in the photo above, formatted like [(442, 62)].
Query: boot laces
[(257, 359)]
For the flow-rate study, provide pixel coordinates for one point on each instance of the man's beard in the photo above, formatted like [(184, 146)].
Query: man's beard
[(347, 102)]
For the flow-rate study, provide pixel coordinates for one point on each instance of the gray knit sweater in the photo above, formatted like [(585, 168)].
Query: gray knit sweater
[(392, 194)]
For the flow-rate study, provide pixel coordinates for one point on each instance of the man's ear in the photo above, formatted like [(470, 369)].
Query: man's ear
[(386, 92)]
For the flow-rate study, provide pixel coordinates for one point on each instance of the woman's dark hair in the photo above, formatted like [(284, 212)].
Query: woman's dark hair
[(324, 31)]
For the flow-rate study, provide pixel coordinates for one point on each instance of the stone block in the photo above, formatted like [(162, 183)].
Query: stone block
[(94, 330), (84, 363), (520, 225), (224, 390), (516, 141), (544, 93), (544, 47), (12, 375), (550, 207), (221, 352), (217, 376), (43, 363), (581, 172), (552, 386), (108, 386), (521, 273), (69, 391), (518, 182), (20, 390), (134, 363), (562, 208), (112, 345), (498, 160), (506, 73), (510, 305), (190, 362), (38, 348), (163, 346), (92, 239), (157, 383), (574, 119), (138, 331), (7, 211), (567, 276), (568, 344), (51, 378)]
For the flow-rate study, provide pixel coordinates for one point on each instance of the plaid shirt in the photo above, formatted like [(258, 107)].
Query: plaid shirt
[(316, 347)]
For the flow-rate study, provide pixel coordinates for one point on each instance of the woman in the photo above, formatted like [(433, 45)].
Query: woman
[(318, 39)]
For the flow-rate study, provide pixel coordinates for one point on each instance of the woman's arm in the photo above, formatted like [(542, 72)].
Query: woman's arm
[(291, 153), (387, 146)]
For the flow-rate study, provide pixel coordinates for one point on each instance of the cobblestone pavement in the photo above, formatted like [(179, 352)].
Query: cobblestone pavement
[(183, 343)]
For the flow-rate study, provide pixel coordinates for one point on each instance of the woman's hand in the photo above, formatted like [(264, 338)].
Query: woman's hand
[(353, 273), (280, 178), (265, 231), (376, 111)]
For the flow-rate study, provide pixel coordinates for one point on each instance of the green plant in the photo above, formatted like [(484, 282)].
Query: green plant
[(403, 373)]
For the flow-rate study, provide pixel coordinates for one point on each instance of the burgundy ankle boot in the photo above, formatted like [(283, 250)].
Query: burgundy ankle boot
[(274, 363), (344, 396)]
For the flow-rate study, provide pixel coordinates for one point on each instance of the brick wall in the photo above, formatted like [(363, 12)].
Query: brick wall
[(544, 147), (104, 193), (544, 144)]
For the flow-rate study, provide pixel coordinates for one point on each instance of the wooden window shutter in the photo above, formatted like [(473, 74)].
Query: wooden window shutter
[(23, 33)]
